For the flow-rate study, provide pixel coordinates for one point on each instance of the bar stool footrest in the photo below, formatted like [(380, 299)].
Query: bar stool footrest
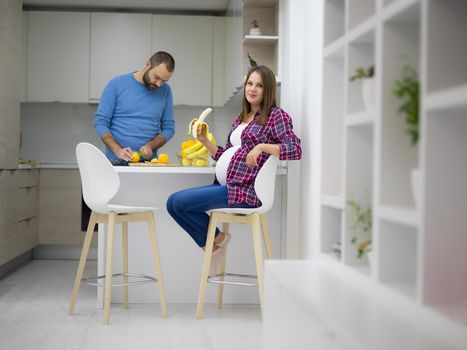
[(219, 279), (94, 281)]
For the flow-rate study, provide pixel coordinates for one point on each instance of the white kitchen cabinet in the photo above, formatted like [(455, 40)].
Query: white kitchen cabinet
[(218, 64), (18, 212), (60, 207), (233, 48), (120, 43), (58, 57), (24, 56), (189, 40)]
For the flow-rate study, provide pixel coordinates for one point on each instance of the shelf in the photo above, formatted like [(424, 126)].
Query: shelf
[(264, 40), (456, 311), (446, 56), (359, 11), (331, 223), (445, 219), (336, 202), (335, 49), (454, 98), (334, 20), (398, 257), (401, 11), (360, 119), (406, 289), (363, 269), (403, 216), (363, 32)]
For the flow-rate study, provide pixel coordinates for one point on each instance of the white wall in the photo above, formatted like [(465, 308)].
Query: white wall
[(50, 131), (301, 38)]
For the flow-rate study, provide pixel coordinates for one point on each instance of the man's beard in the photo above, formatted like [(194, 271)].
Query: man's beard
[(147, 83)]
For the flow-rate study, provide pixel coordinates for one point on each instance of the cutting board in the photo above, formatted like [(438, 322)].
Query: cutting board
[(149, 164)]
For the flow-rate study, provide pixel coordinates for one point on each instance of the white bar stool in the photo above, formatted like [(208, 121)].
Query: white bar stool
[(255, 217), (100, 183)]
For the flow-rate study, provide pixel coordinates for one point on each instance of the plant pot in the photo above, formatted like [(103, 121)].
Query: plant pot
[(416, 186), (368, 93), (255, 31)]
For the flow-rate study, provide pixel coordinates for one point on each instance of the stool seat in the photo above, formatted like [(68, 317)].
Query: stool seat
[(117, 208), (100, 183)]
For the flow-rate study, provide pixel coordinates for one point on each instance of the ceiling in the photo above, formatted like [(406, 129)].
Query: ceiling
[(156, 5)]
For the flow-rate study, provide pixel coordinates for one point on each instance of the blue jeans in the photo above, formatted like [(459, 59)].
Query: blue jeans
[(188, 208)]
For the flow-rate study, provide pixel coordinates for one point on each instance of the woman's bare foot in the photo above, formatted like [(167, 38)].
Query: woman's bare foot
[(222, 239)]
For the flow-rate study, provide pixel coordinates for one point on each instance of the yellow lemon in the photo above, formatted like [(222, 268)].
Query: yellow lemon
[(163, 158), (154, 160), (135, 157)]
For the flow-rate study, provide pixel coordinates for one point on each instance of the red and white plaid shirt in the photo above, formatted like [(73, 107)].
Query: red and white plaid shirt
[(241, 178)]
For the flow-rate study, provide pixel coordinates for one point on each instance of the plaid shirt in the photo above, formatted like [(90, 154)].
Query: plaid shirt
[(241, 178)]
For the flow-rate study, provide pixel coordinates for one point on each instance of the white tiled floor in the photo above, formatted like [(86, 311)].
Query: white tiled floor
[(33, 315)]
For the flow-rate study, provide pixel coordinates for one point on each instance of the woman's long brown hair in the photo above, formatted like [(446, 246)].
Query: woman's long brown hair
[(269, 94)]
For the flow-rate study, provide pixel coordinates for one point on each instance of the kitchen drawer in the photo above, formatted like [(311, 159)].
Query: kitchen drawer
[(27, 235), (26, 178), (26, 203)]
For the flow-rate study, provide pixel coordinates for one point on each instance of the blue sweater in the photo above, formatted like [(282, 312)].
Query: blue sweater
[(133, 114)]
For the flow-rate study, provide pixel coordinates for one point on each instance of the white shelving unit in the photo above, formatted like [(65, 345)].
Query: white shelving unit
[(263, 48), (419, 250)]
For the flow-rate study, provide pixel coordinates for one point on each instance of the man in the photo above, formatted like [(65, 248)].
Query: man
[(135, 112)]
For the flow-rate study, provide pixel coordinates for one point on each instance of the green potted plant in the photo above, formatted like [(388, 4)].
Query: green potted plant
[(366, 77), (407, 89), (361, 227), (251, 62)]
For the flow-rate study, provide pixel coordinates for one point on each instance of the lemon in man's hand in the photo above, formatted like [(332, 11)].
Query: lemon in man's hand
[(136, 157)]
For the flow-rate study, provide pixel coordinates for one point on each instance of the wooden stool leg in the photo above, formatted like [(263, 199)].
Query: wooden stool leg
[(108, 267), (82, 262), (266, 236), (255, 224), (220, 287), (125, 262), (207, 261), (157, 261)]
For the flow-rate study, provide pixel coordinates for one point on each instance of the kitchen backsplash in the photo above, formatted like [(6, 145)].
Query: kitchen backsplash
[(50, 131)]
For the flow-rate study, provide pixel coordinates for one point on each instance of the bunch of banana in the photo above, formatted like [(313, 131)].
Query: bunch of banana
[(193, 152)]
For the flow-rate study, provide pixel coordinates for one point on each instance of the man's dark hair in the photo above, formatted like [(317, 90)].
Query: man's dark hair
[(163, 57)]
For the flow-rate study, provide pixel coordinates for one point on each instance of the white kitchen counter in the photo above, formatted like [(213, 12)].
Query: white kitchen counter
[(175, 170), (181, 258)]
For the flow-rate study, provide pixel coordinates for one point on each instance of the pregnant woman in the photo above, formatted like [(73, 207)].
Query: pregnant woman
[(260, 130)]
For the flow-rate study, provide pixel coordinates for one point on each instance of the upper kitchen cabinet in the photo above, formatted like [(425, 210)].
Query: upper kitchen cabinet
[(189, 39), (120, 43), (234, 72), (58, 57)]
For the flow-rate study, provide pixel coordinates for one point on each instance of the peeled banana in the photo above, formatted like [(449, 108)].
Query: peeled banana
[(193, 152), (197, 122)]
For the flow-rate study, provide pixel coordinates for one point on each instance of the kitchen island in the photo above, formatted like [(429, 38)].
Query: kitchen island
[(181, 259)]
